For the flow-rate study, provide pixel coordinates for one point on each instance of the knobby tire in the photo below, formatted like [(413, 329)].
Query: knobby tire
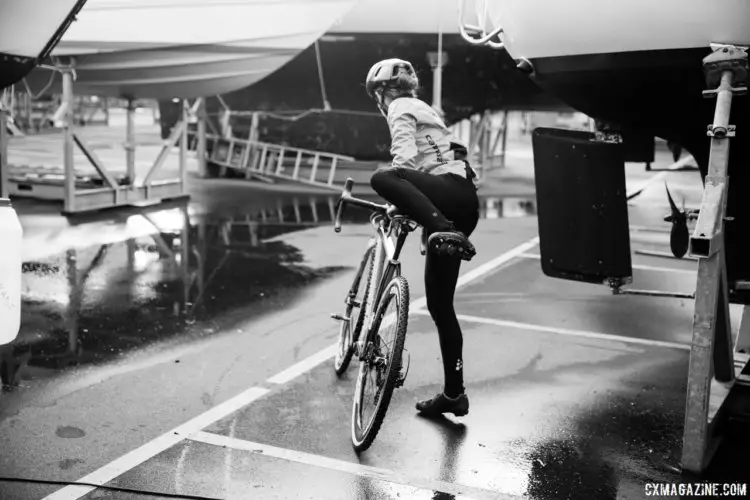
[(362, 438), (341, 361)]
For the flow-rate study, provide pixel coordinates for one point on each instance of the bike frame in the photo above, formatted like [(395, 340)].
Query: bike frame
[(389, 239), (391, 230)]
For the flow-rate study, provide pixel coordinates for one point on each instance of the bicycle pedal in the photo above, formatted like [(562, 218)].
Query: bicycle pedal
[(340, 317)]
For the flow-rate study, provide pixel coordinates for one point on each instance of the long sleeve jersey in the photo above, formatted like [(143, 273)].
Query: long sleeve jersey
[(420, 140)]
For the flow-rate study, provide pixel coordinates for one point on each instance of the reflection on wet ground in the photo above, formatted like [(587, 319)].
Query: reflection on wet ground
[(155, 274)]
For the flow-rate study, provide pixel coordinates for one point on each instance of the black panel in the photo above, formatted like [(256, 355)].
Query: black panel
[(639, 148), (582, 206)]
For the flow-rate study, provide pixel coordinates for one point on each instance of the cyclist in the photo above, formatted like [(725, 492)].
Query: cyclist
[(431, 181)]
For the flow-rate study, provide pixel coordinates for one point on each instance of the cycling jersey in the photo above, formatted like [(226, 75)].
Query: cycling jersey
[(420, 140)]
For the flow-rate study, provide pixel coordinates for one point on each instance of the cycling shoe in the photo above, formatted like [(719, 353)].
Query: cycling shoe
[(441, 403), (451, 243)]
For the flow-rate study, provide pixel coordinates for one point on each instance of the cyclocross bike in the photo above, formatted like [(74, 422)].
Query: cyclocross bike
[(367, 303)]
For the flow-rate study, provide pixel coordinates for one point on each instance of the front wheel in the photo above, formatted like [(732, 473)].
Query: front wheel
[(380, 364), (356, 305)]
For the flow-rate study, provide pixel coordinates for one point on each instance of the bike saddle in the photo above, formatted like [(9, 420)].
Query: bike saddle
[(394, 211)]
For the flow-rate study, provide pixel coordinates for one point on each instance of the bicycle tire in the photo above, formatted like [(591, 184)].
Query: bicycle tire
[(342, 358), (363, 436)]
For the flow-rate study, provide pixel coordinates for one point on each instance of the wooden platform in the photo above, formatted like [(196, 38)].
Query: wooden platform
[(36, 167)]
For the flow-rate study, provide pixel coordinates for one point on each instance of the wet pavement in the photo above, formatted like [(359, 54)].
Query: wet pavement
[(136, 287), (135, 326)]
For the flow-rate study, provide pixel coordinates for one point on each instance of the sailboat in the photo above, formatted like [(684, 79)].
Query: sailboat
[(163, 49)]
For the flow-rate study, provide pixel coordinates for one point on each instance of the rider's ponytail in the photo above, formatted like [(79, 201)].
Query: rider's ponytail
[(404, 86)]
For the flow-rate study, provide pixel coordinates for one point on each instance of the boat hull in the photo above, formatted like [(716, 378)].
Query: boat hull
[(582, 27), (474, 80), (27, 28), (189, 48), (638, 65), (178, 72)]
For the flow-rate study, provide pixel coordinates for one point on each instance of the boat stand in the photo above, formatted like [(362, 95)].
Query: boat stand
[(718, 374), (79, 196), (3, 153)]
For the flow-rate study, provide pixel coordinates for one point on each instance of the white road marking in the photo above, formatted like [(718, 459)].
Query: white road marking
[(367, 471), (303, 366), (642, 267), (145, 452), (136, 457), (415, 305), (486, 268), (570, 332), (641, 186)]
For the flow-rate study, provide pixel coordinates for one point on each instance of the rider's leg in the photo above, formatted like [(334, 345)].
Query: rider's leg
[(441, 276), (431, 200)]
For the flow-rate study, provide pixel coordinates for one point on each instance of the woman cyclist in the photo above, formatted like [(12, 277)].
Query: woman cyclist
[(431, 181)]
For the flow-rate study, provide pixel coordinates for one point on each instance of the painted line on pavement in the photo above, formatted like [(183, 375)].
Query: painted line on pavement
[(570, 332), (303, 366), (415, 305), (136, 457), (147, 451), (642, 267), (484, 269), (367, 471), (643, 185)]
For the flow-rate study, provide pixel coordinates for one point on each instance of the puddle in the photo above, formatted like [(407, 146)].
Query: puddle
[(100, 289)]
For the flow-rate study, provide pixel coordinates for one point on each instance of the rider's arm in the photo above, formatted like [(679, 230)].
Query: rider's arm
[(403, 127)]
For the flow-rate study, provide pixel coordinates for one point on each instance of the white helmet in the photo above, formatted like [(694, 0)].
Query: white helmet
[(390, 73)]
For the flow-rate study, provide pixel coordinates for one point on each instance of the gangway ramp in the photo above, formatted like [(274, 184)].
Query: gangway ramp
[(273, 162)]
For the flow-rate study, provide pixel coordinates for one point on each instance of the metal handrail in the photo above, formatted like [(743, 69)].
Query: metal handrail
[(484, 37)]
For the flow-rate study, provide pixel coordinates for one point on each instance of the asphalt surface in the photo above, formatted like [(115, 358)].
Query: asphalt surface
[(169, 370)]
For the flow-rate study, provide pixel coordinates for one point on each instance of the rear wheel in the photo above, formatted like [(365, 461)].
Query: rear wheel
[(380, 364), (356, 304)]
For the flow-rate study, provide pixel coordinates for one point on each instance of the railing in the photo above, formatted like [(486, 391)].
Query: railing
[(268, 161)]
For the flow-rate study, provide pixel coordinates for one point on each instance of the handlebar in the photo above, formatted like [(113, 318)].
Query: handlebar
[(346, 197)]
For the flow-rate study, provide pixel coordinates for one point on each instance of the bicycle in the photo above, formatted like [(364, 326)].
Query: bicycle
[(384, 285)]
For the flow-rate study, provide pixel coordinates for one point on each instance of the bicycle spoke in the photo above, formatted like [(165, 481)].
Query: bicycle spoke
[(379, 373)]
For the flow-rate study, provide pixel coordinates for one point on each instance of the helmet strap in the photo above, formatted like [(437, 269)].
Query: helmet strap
[(379, 99)]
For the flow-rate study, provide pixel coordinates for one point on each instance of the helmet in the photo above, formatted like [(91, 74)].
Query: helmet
[(393, 73)]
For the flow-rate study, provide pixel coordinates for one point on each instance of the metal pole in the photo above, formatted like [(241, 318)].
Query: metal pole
[(183, 146), (185, 260), (505, 139), (105, 108), (68, 132), (131, 274), (253, 136), (130, 142), (74, 300), (437, 94), (711, 353), (201, 149), (4, 165)]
